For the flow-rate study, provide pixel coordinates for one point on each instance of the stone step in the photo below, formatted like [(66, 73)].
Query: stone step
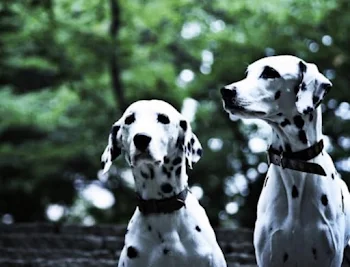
[(54, 254), (58, 263), (75, 229), (54, 241)]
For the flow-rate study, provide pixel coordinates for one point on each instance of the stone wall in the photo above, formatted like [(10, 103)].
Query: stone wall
[(52, 245)]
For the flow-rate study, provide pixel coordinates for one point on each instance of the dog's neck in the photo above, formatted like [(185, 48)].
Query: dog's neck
[(163, 181), (297, 131)]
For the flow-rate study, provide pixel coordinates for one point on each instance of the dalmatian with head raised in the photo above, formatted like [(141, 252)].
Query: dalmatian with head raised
[(303, 214), (169, 227)]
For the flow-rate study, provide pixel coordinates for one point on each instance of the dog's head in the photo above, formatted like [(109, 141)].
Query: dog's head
[(149, 131), (274, 85)]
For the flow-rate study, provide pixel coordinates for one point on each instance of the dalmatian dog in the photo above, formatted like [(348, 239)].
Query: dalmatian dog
[(169, 227), (303, 213)]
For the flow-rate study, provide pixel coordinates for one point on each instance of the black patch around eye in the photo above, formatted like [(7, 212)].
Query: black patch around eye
[(269, 73), (163, 119), (129, 119)]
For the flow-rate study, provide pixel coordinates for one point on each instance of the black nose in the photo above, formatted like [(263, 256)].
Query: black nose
[(228, 94), (142, 141)]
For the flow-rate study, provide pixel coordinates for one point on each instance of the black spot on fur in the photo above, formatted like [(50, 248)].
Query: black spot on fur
[(311, 117), (115, 152), (132, 252), (288, 147), (151, 173), (295, 192), (180, 142), (166, 172), (149, 228), (307, 110), (130, 119), (183, 125), (303, 87), (285, 122), (189, 146), (302, 67), (103, 164), (192, 141), (342, 200), (198, 228), (166, 188), (178, 171), (324, 200), (280, 114), (314, 253), (265, 182), (277, 95), (144, 175), (160, 237), (166, 251), (285, 257), (177, 161), (199, 152), (332, 176), (315, 99), (298, 121), (302, 136), (114, 132)]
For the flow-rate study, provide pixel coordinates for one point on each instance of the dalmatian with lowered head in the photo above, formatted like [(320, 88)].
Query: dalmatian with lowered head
[(169, 227), (303, 214)]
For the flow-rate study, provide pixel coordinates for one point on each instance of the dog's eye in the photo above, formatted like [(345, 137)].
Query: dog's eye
[(269, 73), (129, 119), (163, 119)]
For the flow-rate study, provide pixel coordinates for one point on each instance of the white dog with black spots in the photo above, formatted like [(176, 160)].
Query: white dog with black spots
[(303, 218), (169, 227)]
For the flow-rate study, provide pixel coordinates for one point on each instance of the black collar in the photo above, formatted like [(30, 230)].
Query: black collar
[(165, 205), (297, 160)]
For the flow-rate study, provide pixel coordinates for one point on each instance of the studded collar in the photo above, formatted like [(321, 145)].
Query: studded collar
[(298, 160), (165, 205)]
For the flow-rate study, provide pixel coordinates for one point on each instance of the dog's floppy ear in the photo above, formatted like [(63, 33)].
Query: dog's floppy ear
[(112, 150), (191, 145), (312, 89)]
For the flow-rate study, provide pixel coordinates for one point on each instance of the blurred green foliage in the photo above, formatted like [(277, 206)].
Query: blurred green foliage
[(70, 68)]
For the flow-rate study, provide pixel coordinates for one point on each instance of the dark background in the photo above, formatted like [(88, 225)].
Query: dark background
[(68, 69)]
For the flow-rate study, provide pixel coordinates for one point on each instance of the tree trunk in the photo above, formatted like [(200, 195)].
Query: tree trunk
[(114, 64)]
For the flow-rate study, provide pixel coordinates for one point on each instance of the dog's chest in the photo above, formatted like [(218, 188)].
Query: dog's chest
[(300, 197), (184, 235), (300, 216)]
